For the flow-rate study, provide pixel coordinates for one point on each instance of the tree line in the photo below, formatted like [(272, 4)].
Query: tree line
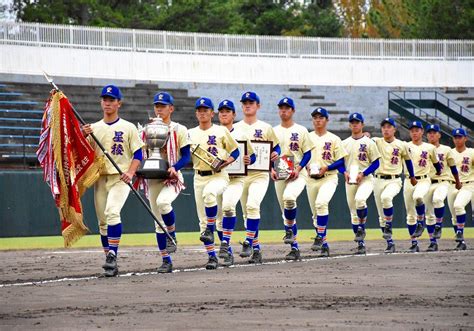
[(425, 19)]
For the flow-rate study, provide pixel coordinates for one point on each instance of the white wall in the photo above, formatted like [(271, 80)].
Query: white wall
[(230, 69)]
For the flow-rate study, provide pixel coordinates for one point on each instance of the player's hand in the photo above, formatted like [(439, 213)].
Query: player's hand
[(86, 129), (273, 174), (246, 159), (458, 185), (274, 156), (322, 171), (359, 178), (127, 176), (346, 177), (294, 174), (172, 173), (413, 181)]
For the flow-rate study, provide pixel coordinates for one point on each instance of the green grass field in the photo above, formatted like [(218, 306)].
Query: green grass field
[(192, 238)]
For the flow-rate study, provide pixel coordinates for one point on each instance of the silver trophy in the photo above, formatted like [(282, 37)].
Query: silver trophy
[(156, 165)]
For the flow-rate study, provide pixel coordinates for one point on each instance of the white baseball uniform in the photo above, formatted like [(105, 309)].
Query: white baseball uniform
[(459, 199), (120, 139), (327, 150), (208, 185), (360, 153), (421, 155), (162, 195), (294, 141), (440, 184), (388, 182)]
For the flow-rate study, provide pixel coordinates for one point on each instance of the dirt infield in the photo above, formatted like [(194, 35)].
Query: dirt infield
[(377, 291)]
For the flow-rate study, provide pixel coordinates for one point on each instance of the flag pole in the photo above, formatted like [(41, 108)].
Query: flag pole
[(106, 153)]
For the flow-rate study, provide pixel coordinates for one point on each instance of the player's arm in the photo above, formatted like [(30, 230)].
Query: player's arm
[(250, 158), (339, 155), (435, 160), (452, 165), (86, 129), (231, 145), (369, 170), (185, 158), (276, 145), (137, 159)]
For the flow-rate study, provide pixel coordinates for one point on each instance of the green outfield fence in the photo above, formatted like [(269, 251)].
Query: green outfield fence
[(27, 209)]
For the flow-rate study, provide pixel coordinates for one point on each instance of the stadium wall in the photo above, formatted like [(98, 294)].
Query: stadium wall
[(27, 209), (72, 62)]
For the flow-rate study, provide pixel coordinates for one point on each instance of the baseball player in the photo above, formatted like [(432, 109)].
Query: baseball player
[(210, 183), (294, 142), (416, 189), (440, 186), (326, 157), (256, 182), (163, 192), (226, 217), (121, 141), (388, 182), (361, 161), (459, 198)]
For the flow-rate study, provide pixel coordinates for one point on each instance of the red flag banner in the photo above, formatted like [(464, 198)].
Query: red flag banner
[(68, 162)]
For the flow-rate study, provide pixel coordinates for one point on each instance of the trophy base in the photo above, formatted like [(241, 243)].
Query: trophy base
[(153, 169)]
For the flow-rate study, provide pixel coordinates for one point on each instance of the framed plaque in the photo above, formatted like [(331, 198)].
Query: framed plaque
[(263, 151), (211, 160), (238, 167)]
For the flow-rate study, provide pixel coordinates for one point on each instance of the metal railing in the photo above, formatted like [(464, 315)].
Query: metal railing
[(441, 98), (83, 37)]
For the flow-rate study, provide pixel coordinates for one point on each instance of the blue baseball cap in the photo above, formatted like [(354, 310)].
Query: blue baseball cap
[(226, 104), (111, 91), (287, 101), (163, 98), (250, 96), (460, 132), (204, 102), (432, 127), (320, 111), (415, 124), (356, 117), (390, 121)]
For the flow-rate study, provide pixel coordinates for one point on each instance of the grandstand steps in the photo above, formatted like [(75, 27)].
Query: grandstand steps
[(299, 89), (312, 97)]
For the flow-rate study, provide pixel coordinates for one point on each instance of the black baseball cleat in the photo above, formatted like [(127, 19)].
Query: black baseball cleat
[(437, 232), (387, 232), (461, 246), (228, 260), (324, 251), (390, 248), (207, 236), (318, 242), (111, 272), (165, 268), (433, 247), (212, 263), (256, 257), (360, 235), (419, 230), (171, 246), (110, 261), (247, 249), (459, 236), (360, 249), (289, 238), (223, 250), (293, 255), (414, 248)]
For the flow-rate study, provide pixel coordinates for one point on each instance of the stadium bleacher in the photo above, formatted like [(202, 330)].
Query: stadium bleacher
[(21, 107)]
